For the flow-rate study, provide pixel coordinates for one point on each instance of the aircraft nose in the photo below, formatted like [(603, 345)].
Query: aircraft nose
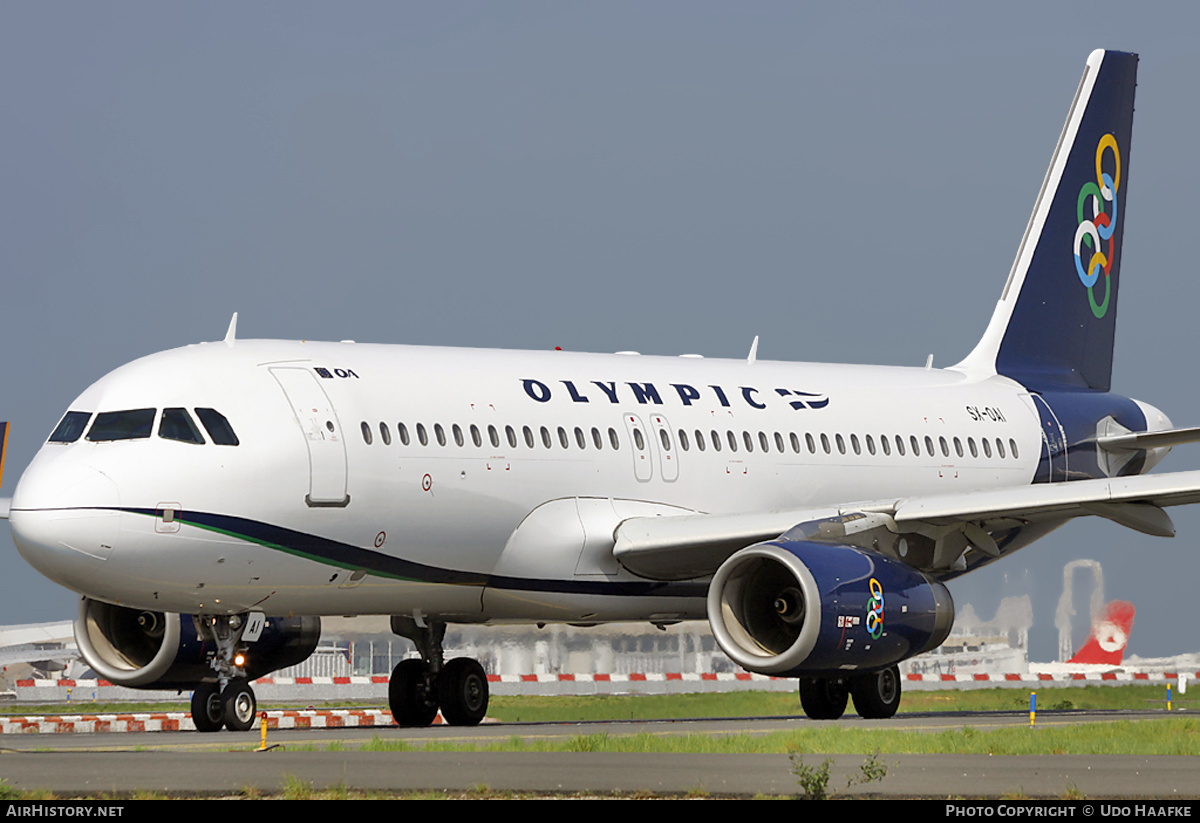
[(65, 518)]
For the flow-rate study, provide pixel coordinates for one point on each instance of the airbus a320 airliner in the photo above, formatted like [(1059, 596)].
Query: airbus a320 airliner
[(211, 502)]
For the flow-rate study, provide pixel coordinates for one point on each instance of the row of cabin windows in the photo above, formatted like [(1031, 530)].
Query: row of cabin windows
[(138, 424), (853, 443), (493, 436), (867, 444)]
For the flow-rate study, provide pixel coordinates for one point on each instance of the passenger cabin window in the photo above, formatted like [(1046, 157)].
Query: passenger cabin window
[(135, 424), (218, 428), (176, 424), (71, 427)]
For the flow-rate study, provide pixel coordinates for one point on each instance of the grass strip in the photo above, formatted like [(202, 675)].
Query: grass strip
[(1159, 736)]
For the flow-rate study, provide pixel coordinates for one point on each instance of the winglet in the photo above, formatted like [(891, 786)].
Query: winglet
[(231, 334), (4, 502), (3, 447)]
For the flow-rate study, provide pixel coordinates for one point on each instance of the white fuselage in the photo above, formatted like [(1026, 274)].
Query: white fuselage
[(304, 516)]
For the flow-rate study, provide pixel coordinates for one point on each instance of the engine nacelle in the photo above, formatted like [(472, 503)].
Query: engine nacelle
[(798, 607), (152, 650)]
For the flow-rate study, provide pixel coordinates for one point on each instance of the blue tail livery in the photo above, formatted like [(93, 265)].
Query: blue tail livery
[(1054, 326)]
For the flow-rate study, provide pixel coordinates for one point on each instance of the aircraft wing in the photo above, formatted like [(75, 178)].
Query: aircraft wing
[(675, 548), (62, 631)]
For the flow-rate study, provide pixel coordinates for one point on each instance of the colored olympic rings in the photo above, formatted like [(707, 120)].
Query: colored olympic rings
[(875, 609), (1098, 225)]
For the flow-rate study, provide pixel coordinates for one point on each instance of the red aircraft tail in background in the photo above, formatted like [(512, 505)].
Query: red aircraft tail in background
[(1109, 636)]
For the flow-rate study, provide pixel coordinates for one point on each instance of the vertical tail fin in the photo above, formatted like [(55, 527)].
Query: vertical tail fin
[(1109, 635), (1054, 325)]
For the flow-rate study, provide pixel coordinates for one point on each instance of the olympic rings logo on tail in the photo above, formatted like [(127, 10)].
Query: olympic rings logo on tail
[(1098, 226), (875, 609)]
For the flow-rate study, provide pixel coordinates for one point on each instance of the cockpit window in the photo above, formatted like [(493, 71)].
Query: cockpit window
[(70, 427), (218, 427), (177, 424), (122, 425)]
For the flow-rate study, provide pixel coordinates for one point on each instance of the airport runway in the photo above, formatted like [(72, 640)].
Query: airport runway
[(218, 764)]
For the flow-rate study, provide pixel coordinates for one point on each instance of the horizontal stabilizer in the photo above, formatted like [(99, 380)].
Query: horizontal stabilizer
[(1135, 441)]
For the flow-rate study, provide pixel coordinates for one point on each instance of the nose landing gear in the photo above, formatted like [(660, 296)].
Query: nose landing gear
[(229, 702), (418, 688)]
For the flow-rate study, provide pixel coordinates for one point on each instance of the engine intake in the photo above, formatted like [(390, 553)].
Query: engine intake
[(146, 649), (807, 607)]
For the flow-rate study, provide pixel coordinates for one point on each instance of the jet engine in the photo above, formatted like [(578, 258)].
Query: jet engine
[(801, 608), (155, 650)]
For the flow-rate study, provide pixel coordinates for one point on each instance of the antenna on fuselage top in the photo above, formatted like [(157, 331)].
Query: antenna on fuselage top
[(231, 334), (753, 352)]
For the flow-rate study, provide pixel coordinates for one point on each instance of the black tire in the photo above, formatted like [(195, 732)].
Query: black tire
[(208, 712), (876, 695), (408, 695), (241, 707), (463, 692), (823, 698)]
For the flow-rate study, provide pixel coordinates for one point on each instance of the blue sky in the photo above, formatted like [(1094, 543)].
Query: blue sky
[(847, 180)]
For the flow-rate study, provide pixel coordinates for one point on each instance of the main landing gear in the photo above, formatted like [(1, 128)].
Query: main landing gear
[(229, 702), (876, 695), (418, 688)]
